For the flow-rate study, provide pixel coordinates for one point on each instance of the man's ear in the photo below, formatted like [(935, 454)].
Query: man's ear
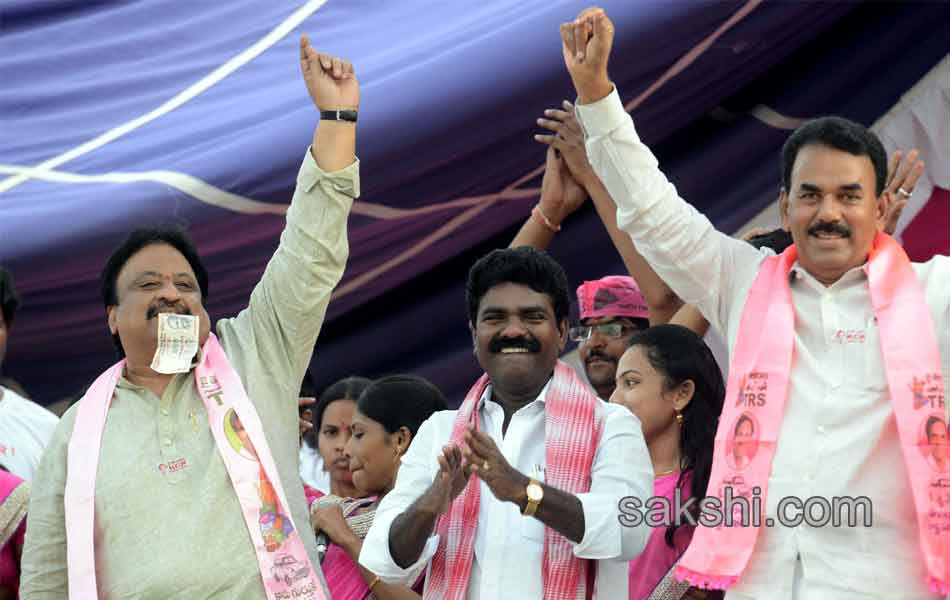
[(562, 328), (883, 203), (113, 319), (204, 326), (783, 208)]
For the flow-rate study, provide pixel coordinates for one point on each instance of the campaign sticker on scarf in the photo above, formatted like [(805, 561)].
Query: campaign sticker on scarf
[(927, 391), (177, 343), (753, 390)]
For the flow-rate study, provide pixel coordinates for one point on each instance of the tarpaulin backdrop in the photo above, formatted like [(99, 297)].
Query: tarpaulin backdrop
[(122, 115)]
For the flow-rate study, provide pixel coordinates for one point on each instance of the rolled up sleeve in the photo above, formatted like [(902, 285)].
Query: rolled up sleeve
[(621, 469)]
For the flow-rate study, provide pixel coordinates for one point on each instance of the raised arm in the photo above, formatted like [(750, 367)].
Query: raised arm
[(568, 139), (561, 195), (287, 307), (681, 245)]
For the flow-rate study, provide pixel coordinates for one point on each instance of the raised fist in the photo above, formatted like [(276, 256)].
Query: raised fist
[(586, 44), (330, 79)]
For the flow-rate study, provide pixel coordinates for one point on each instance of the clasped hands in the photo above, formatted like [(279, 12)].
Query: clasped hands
[(478, 456)]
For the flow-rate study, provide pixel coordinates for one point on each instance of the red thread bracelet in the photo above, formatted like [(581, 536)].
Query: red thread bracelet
[(539, 215)]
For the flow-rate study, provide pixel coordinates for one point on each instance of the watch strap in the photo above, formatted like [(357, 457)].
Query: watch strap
[(338, 115)]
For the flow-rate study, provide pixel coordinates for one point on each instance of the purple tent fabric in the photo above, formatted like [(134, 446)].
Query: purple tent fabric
[(448, 166)]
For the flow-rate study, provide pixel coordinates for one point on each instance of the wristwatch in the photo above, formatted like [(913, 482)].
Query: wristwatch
[(535, 494), (338, 115)]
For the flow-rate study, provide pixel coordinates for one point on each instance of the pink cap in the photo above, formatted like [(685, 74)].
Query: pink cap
[(612, 296)]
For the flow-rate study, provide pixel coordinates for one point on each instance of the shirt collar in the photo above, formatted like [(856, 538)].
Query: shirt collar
[(126, 384), (853, 275), (487, 394)]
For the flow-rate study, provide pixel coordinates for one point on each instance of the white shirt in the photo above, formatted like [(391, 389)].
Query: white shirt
[(312, 471), (838, 434), (509, 546), (25, 430)]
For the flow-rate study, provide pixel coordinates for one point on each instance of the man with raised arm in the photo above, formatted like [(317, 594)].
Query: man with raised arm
[(189, 489), (839, 348)]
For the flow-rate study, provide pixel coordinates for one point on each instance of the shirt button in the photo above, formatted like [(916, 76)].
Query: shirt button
[(808, 477), (165, 411), (167, 441), (821, 429)]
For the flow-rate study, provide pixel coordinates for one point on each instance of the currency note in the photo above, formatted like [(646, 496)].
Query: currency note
[(177, 343)]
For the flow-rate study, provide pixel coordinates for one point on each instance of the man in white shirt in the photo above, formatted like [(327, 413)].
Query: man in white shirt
[(838, 435), (518, 305), (25, 427)]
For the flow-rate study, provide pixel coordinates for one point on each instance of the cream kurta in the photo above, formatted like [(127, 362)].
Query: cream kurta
[(168, 524)]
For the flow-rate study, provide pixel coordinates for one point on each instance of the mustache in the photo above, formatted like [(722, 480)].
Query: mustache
[(601, 355), (154, 309), (833, 227), (529, 344)]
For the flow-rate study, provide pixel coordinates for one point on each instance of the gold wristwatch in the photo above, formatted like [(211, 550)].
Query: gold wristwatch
[(535, 494)]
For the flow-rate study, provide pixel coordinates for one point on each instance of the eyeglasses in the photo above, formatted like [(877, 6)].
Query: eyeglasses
[(582, 333)]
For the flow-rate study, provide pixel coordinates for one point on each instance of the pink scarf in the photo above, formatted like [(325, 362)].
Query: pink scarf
[(760, 368), (285, 567), (571, 435)]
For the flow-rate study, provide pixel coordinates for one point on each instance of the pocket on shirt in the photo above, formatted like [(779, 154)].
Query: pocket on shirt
[(875, 378)]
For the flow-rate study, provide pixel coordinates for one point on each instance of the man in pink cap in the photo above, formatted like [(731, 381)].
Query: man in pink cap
[(611, 310)]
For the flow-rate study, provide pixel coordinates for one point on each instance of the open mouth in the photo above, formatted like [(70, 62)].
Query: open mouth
[(829, 240), (514, 351)]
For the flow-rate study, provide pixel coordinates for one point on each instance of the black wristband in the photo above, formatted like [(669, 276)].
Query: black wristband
[(338, 115)]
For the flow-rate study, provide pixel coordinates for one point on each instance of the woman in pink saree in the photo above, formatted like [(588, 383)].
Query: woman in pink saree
[(14, 498), (388, 415)]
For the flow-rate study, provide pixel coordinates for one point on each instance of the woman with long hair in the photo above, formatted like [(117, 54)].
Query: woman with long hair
[(670, 380), (331, 431), (388, 415)]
